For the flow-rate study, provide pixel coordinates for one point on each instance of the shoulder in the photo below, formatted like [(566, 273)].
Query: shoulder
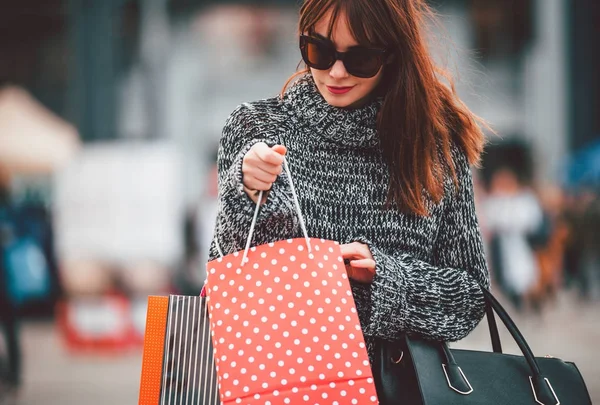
[(460, 160), (252, 115), (257, 121), (454, 162), (459, 180)]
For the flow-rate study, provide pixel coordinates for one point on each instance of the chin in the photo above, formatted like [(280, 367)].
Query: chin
[(340, 101)]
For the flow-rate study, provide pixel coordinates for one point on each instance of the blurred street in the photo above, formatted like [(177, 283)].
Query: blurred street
[(54, 377)]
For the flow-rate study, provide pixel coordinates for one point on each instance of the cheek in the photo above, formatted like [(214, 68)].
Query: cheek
[(320, 77), (373, 82), (318, 73), (369, 85)]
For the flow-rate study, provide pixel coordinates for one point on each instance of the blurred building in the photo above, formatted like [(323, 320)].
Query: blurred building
[(148, 85), (117, 68), (531, 71), (169, 72)]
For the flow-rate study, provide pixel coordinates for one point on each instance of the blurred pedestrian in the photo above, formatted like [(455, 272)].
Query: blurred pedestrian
[(513, 215), (590, 248), (380, 152), (582, 216), (10, 362), (549, 245), (199, 227)]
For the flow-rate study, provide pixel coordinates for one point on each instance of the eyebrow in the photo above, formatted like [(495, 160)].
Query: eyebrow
[(327, 39)]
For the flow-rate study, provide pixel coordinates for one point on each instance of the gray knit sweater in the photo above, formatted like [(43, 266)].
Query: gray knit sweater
[(428, 268)]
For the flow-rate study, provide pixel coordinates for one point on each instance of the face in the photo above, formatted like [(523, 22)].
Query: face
[(338, 87), (504, 182)]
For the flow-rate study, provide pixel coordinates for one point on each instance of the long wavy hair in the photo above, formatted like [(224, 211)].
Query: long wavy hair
[(421, 116)]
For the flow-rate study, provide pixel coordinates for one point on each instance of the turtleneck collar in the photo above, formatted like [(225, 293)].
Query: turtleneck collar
[(347, 127)]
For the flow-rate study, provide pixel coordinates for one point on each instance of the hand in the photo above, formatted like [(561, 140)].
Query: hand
[(260, 168), (360, 264)]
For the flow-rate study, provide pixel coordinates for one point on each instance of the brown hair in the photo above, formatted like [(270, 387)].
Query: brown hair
[(421, 117)]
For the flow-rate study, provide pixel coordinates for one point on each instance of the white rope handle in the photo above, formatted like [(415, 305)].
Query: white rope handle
[(296, 205), (219, 251), (252, 226)]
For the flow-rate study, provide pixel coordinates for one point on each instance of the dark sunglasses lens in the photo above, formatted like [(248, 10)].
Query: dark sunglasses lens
[(363, 62), (317, 55)]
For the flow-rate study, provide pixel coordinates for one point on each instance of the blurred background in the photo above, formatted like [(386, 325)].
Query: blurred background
[(110, 114)]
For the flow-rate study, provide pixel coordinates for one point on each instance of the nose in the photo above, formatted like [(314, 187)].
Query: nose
[(338, 70)]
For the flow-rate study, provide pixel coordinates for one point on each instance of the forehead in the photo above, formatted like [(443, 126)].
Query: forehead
[(340, 34)]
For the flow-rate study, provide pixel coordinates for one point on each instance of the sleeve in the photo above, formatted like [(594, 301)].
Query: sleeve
[(244, 128), (441, 300)]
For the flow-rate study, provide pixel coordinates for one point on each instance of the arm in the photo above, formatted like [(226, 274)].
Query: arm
[(276, 219), (441, 300)]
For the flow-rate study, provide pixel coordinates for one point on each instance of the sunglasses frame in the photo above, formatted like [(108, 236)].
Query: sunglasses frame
[(306, 39)]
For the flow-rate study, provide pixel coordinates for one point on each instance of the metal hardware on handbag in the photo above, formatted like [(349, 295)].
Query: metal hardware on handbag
[(399, 360), (454, 388), (472, 377), (551, 389)]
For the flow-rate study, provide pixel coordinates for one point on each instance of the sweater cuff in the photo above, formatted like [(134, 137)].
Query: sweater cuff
[(388, 290), (388, 287), (236, 173), (278, 201)]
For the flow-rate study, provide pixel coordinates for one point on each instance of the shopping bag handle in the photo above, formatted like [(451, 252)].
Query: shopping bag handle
[(296, 205)]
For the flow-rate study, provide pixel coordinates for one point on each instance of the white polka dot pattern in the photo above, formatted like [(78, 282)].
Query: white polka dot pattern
[(285, 328)]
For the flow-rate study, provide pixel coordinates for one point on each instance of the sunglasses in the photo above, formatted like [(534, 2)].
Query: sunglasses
[(359, 61)]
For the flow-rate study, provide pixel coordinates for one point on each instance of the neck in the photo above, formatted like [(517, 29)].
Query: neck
[(353, 126)]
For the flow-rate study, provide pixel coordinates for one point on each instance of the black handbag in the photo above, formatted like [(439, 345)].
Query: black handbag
[(419, 372)]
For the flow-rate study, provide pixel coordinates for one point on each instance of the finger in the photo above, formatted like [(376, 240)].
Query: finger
[(260, 146), (254, 184), (363, 264), (363, 249), (259, 174), (274, 170), (282, 150), (267, 155), (252, 160), (360, 275), (347, 250), (352, 250)]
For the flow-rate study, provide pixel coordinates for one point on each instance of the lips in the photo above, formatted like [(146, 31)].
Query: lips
[(339, 90)]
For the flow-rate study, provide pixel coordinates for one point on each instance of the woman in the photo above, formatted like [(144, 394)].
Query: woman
[(379, 151)]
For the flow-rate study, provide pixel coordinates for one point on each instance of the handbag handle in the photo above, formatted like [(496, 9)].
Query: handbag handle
[(493, 327), (492, 302), (542, 389), (454, 375)]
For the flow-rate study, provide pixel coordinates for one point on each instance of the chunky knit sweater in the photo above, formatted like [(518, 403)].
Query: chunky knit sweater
[(428, 268)]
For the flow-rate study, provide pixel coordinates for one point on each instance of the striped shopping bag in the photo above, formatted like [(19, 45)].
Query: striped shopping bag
[(178, 365)]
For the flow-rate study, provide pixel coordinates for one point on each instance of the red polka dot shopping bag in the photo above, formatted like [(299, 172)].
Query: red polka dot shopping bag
[(284, 325)]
